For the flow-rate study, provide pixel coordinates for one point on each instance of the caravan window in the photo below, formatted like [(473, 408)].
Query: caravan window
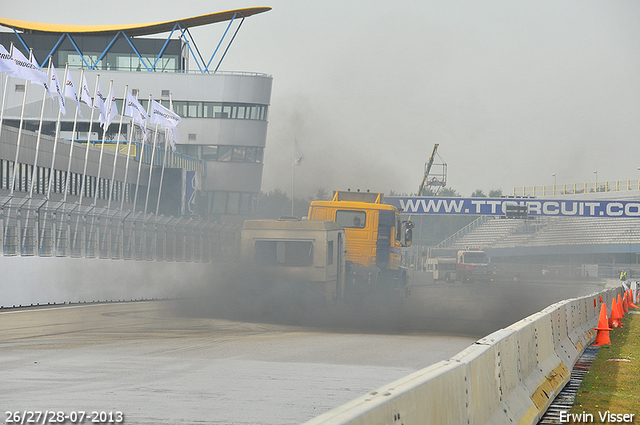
[(284, 253)]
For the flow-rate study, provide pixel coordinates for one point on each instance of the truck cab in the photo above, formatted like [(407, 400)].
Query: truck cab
[(374, 236)]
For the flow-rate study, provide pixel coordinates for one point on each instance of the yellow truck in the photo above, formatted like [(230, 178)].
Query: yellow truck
[(374, 236)]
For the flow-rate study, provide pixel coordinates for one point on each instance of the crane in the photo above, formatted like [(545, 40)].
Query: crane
[(436, 180)]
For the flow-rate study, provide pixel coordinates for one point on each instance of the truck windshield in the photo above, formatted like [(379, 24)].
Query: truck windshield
[(475, 257)]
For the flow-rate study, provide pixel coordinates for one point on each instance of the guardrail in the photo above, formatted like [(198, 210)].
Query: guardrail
[(510, 376), (460, 233), (59, 230), (577, 188)]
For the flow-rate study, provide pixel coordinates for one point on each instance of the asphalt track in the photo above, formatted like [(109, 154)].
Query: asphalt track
[(193, 361)]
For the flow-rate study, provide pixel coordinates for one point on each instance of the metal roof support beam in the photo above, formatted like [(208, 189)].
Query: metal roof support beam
[(229, 45), (55, 47), (21, 40), (138, 54), (191, 50), (206, 69), (193, 40), (106, 50), (75, 46), (177, 25)]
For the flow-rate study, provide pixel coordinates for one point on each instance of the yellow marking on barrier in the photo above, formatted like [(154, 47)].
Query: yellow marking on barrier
[(579, 346), (530, 416), (555, 380)]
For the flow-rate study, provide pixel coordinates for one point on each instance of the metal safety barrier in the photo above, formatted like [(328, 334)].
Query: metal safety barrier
[(44, 229)]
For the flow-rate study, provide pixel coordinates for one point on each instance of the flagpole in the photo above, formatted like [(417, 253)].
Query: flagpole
[(164, 158), (73, 140), (15, 163), (115, 156), (153, 152), (35, 161), (4, 91), (86, 153), (55, 140), (293, 174), (55, 147), (135, 196), (126, 166), (105, 127)]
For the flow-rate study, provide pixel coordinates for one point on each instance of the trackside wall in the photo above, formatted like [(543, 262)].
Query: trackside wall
[(509, 377)]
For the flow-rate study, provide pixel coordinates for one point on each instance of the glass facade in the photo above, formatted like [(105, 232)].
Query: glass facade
[(217, 203), (119, 57), (236, 111)]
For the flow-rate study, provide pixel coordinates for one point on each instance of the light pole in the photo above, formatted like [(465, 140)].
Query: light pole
[(596, 184), (554, 183)]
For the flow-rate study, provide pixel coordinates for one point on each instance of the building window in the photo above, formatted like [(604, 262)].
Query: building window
[(233, 154), (233, 206), (225, 110), (20, 88)]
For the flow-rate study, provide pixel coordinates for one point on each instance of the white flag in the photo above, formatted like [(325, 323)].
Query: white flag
[(298, 156), (113, 111), (173, 136), (135, 110), (27, 69), (7, 64), (85, 96), (70, 91), (100, 104), (55, 86), (163, 116)]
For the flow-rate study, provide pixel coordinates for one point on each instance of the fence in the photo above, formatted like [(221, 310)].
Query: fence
[(578, 188), (61, 230)]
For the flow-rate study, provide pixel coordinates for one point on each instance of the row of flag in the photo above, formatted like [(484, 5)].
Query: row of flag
[(15, 64)]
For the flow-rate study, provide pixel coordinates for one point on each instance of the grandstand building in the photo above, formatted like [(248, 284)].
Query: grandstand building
[(223, 132), (588, 246)]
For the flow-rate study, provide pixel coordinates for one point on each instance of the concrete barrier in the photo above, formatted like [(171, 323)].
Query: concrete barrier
[(27, 281), (510, 376)]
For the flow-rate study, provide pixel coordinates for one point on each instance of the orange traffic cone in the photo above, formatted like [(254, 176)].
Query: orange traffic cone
[(625, 303), (631, 304), (602, 337), (615, 319)]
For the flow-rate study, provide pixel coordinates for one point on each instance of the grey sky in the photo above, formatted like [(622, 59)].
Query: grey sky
[(512, 91)]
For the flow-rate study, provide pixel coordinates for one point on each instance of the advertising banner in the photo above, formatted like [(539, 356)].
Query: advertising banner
[(499, 206)]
